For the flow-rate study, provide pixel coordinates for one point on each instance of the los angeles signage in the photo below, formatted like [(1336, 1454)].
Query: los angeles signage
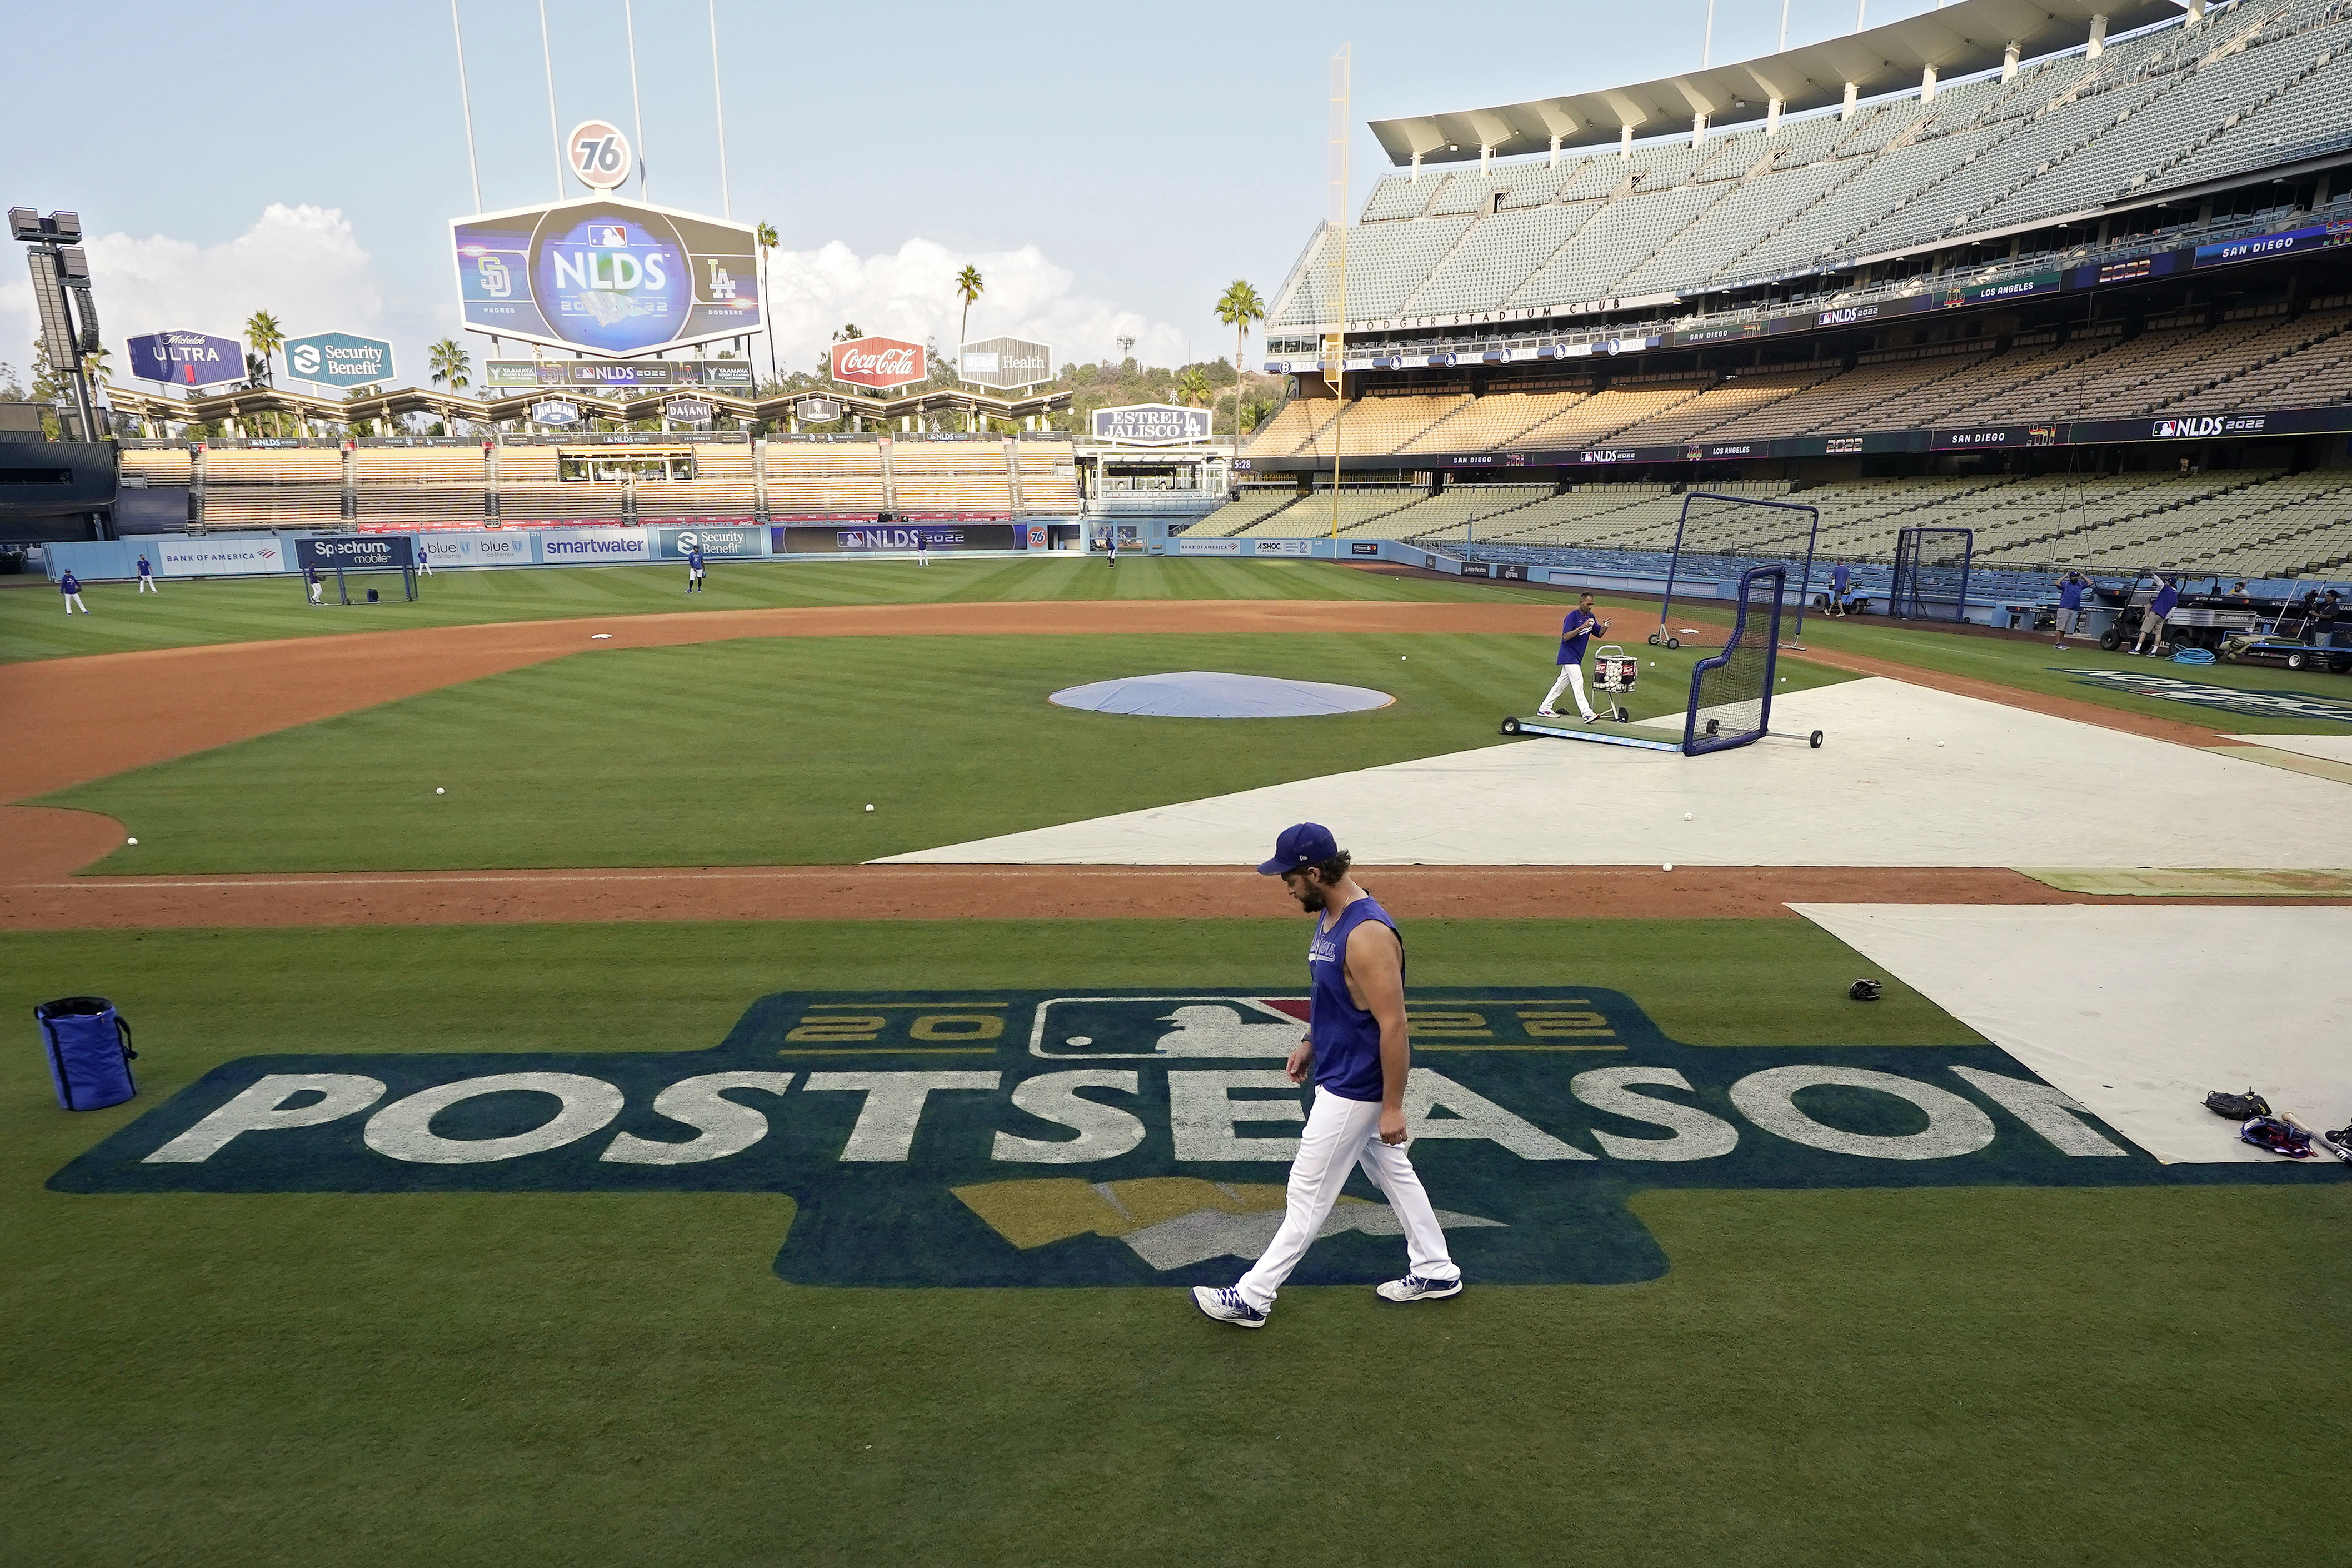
[(1118, 1137), (187, 359), (879, 362)]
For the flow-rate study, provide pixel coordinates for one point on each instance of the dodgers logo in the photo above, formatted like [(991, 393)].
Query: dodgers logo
[(998, 1139)]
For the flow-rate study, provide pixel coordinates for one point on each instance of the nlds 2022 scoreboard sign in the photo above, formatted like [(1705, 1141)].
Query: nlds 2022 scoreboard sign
[(606, 276)]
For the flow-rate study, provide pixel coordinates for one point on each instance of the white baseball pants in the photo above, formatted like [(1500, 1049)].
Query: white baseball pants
[(1340, 1135), (147, 585), (1571, 679), (73, 603)]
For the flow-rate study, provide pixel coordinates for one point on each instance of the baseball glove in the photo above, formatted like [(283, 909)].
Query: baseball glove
[(2237, 1106), (1866, 990)]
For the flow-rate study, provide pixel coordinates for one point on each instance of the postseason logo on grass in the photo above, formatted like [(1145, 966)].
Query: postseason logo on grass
[(1118, 1138), (2263, 704)]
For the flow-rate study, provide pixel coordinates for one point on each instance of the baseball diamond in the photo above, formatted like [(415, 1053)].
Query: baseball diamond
[(1635, 848)]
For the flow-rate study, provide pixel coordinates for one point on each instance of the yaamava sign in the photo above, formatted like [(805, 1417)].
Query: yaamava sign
[(1106, 1137)]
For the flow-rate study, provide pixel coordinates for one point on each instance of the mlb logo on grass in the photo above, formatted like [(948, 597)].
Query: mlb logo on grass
[(1110, 1137)]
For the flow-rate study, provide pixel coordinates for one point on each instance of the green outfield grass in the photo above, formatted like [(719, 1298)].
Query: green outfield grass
[(1995, 1376), (766, 751), (252, 609)]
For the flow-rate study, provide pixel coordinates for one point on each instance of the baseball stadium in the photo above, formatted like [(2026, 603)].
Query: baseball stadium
[(644, 960)]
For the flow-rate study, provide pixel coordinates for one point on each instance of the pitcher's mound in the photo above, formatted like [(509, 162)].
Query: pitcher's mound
[(1207, 694)]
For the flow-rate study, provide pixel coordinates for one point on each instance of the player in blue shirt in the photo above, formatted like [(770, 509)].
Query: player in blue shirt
[(1359, 1052), (1841, 582), (69, 587), (2070, 589), (1577, 628), (2151, 620), (694, 569), (147, 577), (318, 587)]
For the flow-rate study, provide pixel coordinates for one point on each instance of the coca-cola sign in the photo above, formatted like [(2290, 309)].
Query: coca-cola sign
[(878, 362)]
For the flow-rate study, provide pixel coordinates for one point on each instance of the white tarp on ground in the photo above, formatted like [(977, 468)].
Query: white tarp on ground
[(2327, 748), (2138, 1012), (2006, 787)]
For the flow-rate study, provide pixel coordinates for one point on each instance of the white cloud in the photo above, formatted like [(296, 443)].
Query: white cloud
[(302, 264), (911, 294)]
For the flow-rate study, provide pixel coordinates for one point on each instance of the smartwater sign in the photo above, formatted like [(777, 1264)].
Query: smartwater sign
[(573, 546), (1151, 425), (187, 359), (339, 359), (1098, 1137)]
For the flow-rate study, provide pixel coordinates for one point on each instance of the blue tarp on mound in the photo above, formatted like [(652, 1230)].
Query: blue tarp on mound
[(1208, 694)]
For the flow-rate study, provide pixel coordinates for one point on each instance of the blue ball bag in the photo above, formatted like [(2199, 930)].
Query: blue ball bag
[(89, 1052)]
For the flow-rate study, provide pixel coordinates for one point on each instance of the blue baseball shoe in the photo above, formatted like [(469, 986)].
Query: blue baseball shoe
[(1413, 1288), (1227, 1306)]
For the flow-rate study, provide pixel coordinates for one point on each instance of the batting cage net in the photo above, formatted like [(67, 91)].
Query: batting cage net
[(1731, 691), (1719, 538), (1931, 573)]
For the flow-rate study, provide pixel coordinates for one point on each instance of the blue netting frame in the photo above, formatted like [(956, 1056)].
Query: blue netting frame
[(1740, 680), (1769, 535)]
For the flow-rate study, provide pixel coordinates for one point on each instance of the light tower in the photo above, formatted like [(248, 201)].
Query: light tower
[(61, 269)]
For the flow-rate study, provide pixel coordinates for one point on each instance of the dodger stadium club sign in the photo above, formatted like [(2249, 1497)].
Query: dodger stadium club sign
[(1105, 1137), (607, 276)]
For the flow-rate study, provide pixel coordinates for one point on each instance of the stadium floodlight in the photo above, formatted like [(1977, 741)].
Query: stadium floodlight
[(63, 227), (73, 261), (24, 223)]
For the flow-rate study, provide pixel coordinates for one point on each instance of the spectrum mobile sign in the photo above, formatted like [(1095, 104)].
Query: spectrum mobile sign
[(1105, 1137), (606, 276)]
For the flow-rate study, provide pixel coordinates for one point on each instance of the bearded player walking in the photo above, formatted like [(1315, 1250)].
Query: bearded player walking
[(1357, 1051)]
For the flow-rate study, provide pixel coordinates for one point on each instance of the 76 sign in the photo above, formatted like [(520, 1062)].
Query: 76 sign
[(599, 154)]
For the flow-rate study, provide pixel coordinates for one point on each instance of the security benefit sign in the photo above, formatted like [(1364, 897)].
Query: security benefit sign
[(993, 1138), (607, 276), (339, 359)]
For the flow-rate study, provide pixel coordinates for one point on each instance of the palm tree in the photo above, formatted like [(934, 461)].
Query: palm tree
[(765, 234), (1237, 309), (450, 363), (968, 285), (264, 334), (1192, 388)]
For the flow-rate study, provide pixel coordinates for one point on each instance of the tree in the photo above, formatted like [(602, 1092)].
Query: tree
[(766, 237), (1237, 308), (968, 285), (451, 363), (1192, 388), (263, 335)]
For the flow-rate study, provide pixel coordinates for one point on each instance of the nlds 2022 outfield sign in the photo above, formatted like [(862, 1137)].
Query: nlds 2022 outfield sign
[(1106, 1137)]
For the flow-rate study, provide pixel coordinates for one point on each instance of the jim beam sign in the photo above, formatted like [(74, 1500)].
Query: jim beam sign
[(1151, 425), (1007, 364), (880, 362)]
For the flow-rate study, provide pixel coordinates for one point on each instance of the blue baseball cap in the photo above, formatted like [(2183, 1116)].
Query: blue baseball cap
[(1305, 844)]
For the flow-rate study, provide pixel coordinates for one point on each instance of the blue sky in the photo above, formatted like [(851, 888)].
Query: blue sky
[(1108, 168)]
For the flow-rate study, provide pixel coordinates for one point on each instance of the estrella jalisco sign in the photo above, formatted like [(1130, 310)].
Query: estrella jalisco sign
[(1117, 1137)]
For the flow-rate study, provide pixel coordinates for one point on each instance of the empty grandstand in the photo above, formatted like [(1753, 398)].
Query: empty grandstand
[(2077, 276)]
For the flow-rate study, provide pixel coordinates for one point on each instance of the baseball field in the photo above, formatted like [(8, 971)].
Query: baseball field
[(573, 1128)]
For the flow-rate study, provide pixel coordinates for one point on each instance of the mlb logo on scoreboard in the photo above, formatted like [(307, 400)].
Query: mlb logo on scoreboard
[(609, 237)]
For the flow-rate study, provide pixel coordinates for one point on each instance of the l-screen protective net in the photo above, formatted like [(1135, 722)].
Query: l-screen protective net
[(1732, 689)]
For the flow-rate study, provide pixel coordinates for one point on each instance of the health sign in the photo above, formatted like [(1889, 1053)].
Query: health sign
[(607, 276), (339, 359), (187, 359)]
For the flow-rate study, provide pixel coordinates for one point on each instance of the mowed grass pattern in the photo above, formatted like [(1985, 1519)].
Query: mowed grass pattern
[(1873, 1376), (188, 612), (767, 751)]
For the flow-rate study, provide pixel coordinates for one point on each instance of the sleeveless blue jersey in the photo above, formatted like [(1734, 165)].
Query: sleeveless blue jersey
[(1347, 1038)]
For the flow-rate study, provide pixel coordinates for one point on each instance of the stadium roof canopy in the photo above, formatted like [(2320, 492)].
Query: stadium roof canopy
[(1957, 40)]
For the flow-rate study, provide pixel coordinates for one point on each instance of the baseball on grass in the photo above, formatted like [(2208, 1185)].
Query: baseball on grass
[(438, 790), (134, 841), (870, 807)]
